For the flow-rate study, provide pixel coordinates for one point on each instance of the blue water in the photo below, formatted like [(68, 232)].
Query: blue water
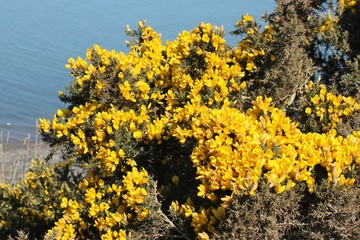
[(37, 37)]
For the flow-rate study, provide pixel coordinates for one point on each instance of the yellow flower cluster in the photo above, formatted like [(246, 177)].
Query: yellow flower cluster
[(328, 109), (140, 96), (143, 78), (43, 183), (236, 150), (268, 34), (247, 21), (351, 4), (145, 89), (34, 201), (246, 50), (107, 208), (183, 90), (328, 24)]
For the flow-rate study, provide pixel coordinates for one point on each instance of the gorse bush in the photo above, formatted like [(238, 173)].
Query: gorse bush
[(196, 139), (35, 204)]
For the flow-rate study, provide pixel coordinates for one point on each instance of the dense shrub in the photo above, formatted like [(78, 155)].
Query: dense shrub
[(34, 205), (197, 139)]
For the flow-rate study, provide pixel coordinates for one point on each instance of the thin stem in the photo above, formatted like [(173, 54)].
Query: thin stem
[(36, 137)]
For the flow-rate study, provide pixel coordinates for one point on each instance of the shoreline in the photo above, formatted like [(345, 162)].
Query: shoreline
[(15, 159)]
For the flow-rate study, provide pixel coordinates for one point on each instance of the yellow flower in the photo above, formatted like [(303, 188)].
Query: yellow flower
[(143, 87), (125, 90), (250, 66), (44, 125), (64, 202), (137, 134), (337, 101), (280, 188), (144, 213), (250, 32), (247, 18), (83, 184), (202, 190), (121, 75), (308, 111), (205, 38), (99, 85), (90, 195), (121, 153), (104, 207), (93, 210), (100, 223), (243, 85), (315, 100), (108, 235)]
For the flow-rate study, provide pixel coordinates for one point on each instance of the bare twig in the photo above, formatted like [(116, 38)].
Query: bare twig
[(36, 137), (168, 220), (173, 225)]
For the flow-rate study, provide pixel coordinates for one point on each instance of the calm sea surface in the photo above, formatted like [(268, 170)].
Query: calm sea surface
[(37, 37)]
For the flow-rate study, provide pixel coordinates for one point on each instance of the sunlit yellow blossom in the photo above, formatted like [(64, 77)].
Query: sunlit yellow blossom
[(247, 18), (90, 195), (44, 125), (315, 99), (137, 134)]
